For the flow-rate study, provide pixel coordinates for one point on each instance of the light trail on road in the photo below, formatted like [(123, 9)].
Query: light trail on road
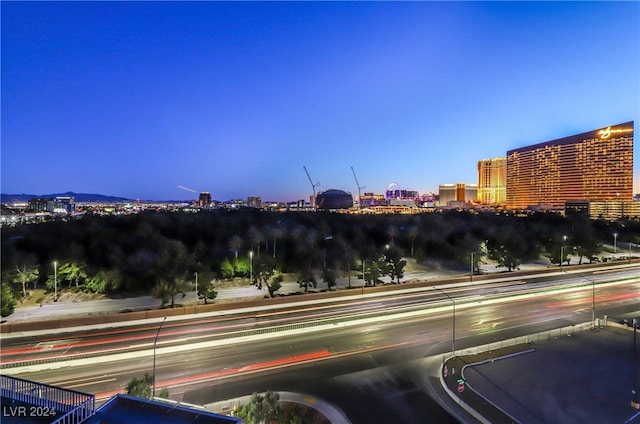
[(205, 329), (348, 349)]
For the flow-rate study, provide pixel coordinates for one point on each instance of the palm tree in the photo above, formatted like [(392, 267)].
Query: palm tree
[(413, 233), (392, 232), (235, 244), (256, 237), (276, 233)]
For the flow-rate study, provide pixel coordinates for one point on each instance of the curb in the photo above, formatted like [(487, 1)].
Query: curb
[(467, 405)]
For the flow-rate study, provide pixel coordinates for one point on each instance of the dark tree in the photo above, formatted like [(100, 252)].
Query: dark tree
[(261, 409), (329, 277), (7, 300), (207, 290), (394, 264), (265, 274), (173, 264)]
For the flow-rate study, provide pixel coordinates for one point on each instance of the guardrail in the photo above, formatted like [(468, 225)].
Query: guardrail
[(47, 402), (529, 338)]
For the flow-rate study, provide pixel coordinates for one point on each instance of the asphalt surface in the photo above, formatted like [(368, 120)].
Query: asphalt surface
[(581, 377)]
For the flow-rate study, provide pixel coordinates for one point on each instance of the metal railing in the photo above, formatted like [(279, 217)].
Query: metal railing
[(69, 406), (528, 338)]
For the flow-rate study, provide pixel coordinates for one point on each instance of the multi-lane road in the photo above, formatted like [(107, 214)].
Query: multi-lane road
[(328, 349)]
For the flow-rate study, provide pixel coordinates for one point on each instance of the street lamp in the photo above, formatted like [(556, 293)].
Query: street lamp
[(564, 240), (196, 274), (364, 281), (615, 242), (593, 299), (55, 281), (634, 400), (471, 274), (453, 344), (251, 268), (153, 390)]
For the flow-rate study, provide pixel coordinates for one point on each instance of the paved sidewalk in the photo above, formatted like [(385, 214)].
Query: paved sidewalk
[(141, 303), (433, 271)]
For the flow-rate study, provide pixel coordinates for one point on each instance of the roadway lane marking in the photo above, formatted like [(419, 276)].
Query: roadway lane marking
[(73, 380), (106, 380), (540, 293), (259, 367)]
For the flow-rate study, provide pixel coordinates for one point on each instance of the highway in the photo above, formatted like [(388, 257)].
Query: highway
[(222, 356)]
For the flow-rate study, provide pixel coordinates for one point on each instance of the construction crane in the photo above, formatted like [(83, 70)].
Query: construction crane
[(359, 188), (313, 186)]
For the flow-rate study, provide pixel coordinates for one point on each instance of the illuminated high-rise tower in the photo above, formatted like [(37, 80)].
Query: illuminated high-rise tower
[(492, 181), (595, 165), (204, 199)]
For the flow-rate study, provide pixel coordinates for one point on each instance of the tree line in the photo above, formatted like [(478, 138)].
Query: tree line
[(160, 252)]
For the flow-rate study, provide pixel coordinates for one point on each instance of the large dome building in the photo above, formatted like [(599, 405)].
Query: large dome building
[(334, 199)]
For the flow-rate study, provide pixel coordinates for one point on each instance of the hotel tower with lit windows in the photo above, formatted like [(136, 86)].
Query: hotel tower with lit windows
[(595, 165), (492, 181)]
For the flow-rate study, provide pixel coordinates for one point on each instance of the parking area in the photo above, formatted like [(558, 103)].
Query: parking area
[(580, 377)]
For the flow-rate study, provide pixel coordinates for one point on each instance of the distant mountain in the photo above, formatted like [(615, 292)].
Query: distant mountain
[(79, 197)]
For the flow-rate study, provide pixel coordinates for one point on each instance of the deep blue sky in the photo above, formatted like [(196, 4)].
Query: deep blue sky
[(133, 99)]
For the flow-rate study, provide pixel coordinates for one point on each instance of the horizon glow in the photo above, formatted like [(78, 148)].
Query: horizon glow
[(133, 99)]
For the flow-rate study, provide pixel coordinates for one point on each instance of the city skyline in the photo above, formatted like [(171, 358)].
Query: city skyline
[(135, 99)]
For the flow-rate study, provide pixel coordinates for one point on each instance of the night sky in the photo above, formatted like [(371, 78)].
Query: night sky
[(133, 99)]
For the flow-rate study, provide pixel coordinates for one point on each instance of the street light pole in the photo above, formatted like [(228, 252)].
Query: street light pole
[(634, 391), (55, 281), (615, 242), (153, 390), (196, 274), (564, 240), (251, 268), (593, 302), (364, 281), (593, 299), (453, 344), (471, 274)]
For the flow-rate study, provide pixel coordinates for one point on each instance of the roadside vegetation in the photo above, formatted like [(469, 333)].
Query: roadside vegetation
[(143, 388), (160, 252), (267, 408)]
